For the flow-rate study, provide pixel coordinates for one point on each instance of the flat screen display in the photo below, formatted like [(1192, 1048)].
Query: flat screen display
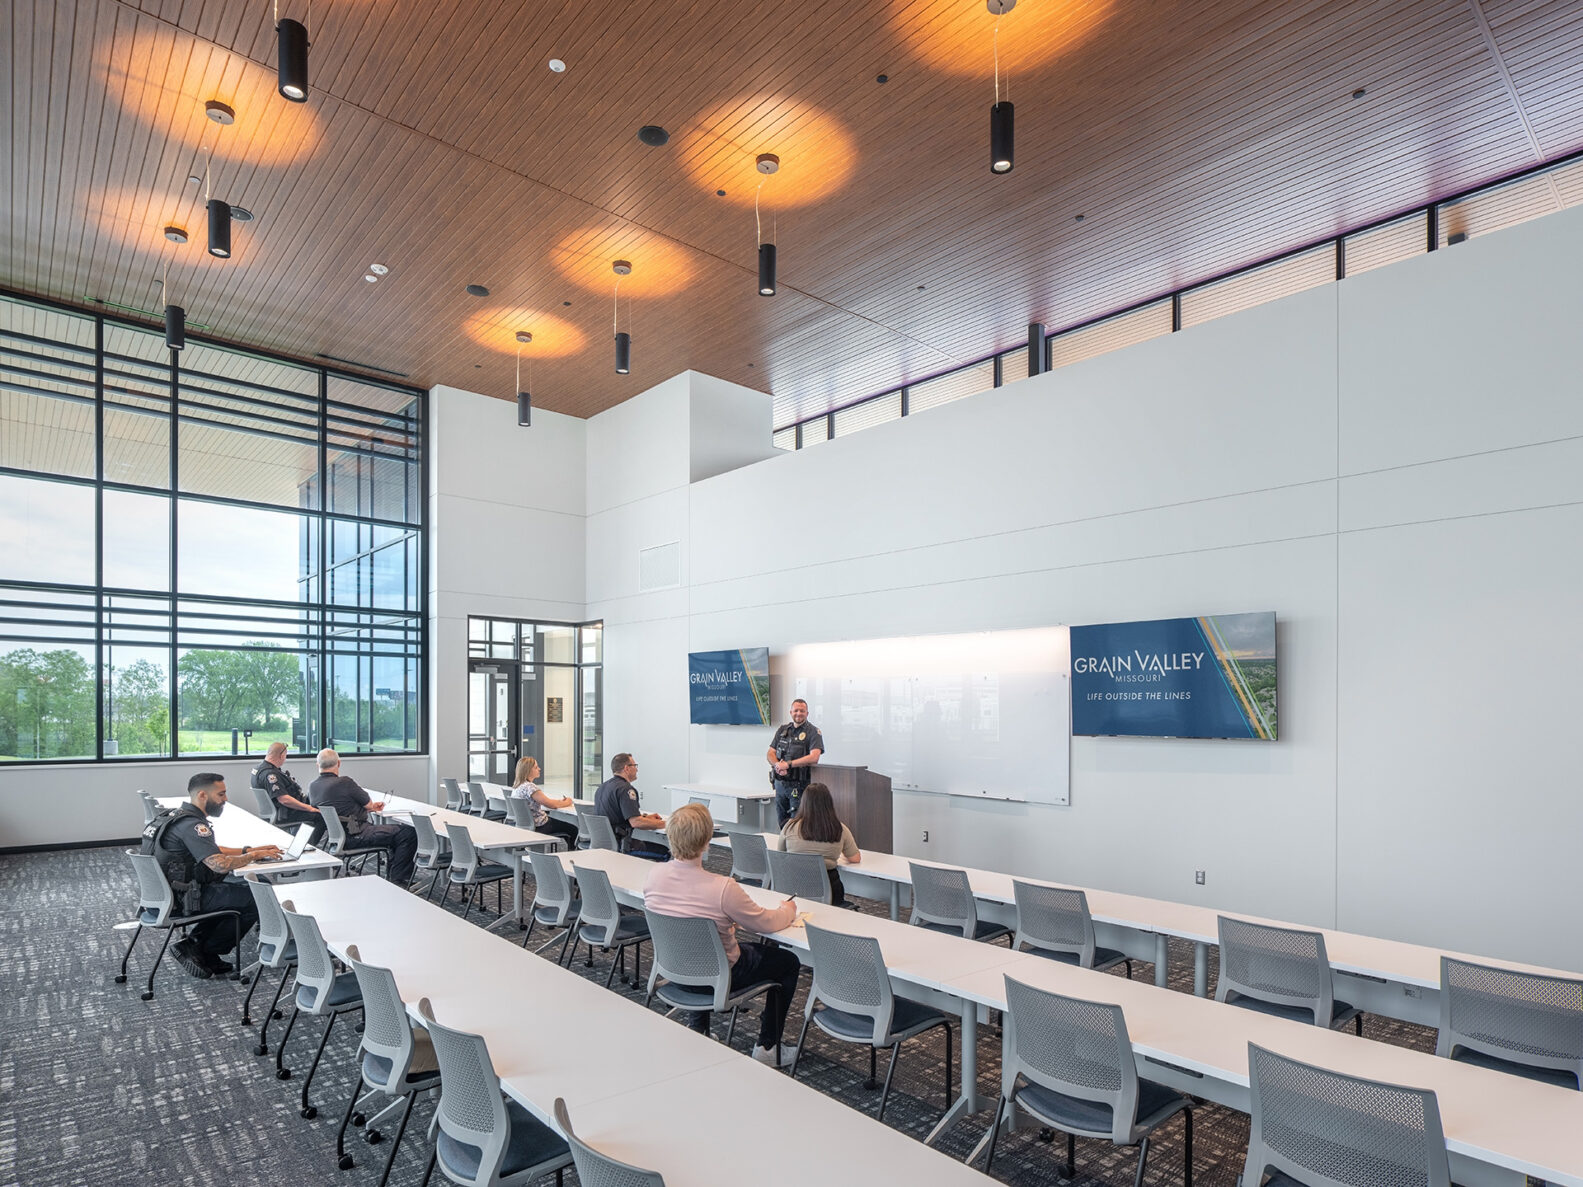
[(729, 687), (1207, 677)]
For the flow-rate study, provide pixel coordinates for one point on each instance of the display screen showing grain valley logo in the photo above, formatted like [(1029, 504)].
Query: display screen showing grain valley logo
[(729, 687), (1209, 677)]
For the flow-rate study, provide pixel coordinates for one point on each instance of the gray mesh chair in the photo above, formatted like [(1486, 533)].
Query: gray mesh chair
[(690, 972), (321, 993), (851, 1000), (1055, 923), (478, 803), (1280, 971), (603, 924), (275, 952), (1324, 1129), (393, 1060), (584, 841), (433, 856), (943, 901), (150, 806), (156, 909), (337, 845), (520, 811), (266, 806), (1069, 1064), (1522, 1023), (482, 1139), (600, 832), (455, 798), (801, 875), (554, 903), (470, 873), (750, 861), (600, 1170)]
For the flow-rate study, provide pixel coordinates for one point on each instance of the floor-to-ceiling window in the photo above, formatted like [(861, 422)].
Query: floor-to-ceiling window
[(535, 689), (204, 551)]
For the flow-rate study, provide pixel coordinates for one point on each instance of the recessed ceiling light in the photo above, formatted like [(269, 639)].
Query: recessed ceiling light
[(194, 179), (1360, 92), (241, 214), (558, 66), (653, 135), (1077, 218), (565, 302), (920, 288), (882, 79), (378, 269), (370, 277), (220, 113), (477, 290), (175, 234)]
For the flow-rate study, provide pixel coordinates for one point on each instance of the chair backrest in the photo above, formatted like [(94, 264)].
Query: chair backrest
[(477, 799), (849, 974), (387, 1034), (688, 951), (471, 1111), (315, 970), (428, 840), (273, 931), (750, 858), (150, 806), (453, 793), (520, 810), (1079, 1048), (1325, 1129), (600, 908), (1522, 1017), (464, 857), (334, 830), (266, 806), (1283, 965), (153, 888), (801, 875), (600, 1170), (943, 896), (552, 889), (601, 833), (1054, 920)]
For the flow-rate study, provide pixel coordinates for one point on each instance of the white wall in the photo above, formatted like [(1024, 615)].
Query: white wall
[(1391, 463)]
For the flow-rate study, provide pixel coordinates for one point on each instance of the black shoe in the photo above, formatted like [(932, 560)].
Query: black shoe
[(190, 957), (215, 964)]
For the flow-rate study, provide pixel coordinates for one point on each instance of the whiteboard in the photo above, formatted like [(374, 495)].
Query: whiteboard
[(983, 715)]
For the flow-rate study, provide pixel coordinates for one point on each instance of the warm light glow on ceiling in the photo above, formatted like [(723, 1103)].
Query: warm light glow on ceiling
[(1033, 34), (137, 219), (659, 266), (163, 77), (817, 152), (553, 337)]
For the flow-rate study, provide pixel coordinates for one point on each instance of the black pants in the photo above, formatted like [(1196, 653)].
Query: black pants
[(559, 828), (400, 839), (761, 962), (218, 936), (647, 849), (787, 797), (290, 818), (837, 891)]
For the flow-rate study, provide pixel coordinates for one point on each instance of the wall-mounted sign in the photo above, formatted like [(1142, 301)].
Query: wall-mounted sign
[(552, 709)]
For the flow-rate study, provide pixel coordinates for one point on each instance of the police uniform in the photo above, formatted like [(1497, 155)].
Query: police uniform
[(275, 782), (181, 847), (793, 741), (617, 801)]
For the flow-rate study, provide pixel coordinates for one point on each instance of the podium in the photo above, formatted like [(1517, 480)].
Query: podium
[(862, 801)]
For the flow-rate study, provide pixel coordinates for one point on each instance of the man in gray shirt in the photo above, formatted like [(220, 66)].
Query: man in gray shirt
[(338, 793)]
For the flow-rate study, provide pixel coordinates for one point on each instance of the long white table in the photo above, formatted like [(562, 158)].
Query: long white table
[(759, 801), (1497, 1126), (637, 1086), (1385, 977), (493, 836), (236, 827)]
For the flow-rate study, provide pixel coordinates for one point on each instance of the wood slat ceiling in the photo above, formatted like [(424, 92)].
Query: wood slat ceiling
[(1194, 137)]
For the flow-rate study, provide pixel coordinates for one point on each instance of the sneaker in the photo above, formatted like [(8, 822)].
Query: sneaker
[(767, 1055), (189, 956)]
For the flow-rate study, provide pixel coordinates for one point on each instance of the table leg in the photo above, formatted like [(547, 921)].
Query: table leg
[(1201, 969), (1161, 954), (515, 914), (968, 1102), (895, 900)]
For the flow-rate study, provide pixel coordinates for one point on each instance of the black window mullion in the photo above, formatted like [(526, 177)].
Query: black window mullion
[(175, 489), (101, 666), (321, 595)]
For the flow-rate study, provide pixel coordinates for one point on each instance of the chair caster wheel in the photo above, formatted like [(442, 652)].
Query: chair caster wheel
[(276, 1014), (1047, 1135), (260, 1049), (309, 1113), (120, 979), (358, 1120), (871, 1085), (148, 997), (346, 1162), (283, 1073), (246, 980), (374, 1137)]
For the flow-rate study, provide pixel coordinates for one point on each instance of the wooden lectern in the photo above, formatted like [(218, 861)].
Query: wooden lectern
[(862, 800)]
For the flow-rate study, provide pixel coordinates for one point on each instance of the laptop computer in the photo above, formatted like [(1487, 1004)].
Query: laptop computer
[(298, 843)]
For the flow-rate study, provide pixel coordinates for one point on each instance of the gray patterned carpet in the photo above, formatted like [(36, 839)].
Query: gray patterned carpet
[(99, 1087)]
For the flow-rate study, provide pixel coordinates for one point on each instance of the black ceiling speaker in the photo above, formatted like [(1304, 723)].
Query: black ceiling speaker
[(219, 228), (292, 37)]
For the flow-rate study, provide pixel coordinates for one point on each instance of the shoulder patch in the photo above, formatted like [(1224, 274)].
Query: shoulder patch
[(274, 778), (203, 830), (631, 794)]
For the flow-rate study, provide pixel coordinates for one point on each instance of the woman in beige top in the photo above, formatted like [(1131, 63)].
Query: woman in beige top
[(817, 829)]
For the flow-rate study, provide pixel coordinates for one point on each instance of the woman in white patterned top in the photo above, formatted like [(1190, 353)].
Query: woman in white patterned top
[(525, 789)]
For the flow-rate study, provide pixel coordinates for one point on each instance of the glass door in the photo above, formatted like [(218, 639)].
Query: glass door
[(493, 733)]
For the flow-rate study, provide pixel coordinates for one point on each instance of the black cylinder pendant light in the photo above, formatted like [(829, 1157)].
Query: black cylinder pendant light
[(292, 38), (175, 327), (524, 398), (1002, 147), (623, 353), (766, 269), (623, 339), (766, 163), (219, 228)]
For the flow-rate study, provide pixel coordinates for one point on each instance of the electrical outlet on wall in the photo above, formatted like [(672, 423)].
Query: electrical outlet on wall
[(1198, 877), (926, 835)]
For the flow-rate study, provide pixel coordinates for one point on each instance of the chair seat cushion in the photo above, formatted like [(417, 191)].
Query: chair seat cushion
[(546, 915), (984, 930), (1155, 1102), (149, 916), (532, 1144), (686, 997), (1339, 1012), (487, 871), (266, 953), (907, 1018), (343, 992), (1104, 958), (376, 1072), (1546, 1075), (631, 927)]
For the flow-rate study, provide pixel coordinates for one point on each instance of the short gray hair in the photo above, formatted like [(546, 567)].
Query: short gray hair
[(328, 759), (276, 748)]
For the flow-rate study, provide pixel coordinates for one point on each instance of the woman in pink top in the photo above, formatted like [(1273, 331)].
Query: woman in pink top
[(682, 887)]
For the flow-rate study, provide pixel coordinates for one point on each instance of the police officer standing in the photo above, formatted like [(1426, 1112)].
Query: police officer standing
[(291, 802), (198, 869), (792, 755)]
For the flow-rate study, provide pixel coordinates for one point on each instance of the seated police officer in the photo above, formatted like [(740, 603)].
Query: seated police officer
[(187, 851), (335, 792), (617, 801), (793, 752), (291, 802)]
